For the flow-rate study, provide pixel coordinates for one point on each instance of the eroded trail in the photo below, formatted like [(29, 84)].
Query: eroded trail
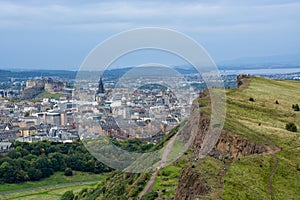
[(276, 161), (163, 161)]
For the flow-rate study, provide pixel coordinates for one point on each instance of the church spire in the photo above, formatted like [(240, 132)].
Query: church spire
[(100, 89)]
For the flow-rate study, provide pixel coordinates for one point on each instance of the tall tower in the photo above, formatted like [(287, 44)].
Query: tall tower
[(100, 87), (100, 93)]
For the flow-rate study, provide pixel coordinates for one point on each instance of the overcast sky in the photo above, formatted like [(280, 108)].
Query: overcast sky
[(52, 34)]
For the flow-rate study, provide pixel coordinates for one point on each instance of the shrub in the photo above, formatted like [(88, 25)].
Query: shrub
[(166, 173), (251, 99), (68, 195), (291, 127), (296, 107), (150, 196), (276, 102), (68, 172)]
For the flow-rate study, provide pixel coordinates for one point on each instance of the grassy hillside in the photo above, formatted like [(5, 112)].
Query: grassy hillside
[(52, 187), (272, 175), (49, 95), (264, 121)]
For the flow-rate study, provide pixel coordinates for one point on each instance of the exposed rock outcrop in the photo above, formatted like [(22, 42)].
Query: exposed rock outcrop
[(240, 80), (229, 145), (232, 146), (191, 184), (197, 125)]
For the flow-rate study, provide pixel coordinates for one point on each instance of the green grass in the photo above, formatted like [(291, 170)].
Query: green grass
[(264, 121), (167, 180), (56, 178), (45, 194), (212, 177), (248, 178), (54, 183), (49, 95)]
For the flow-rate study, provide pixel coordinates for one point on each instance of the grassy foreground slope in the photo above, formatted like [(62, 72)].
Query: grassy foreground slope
[(276, 174), (52, 187)]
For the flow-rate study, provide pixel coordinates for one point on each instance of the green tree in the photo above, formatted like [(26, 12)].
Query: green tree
[(44, 165), (24, 152), (7, 173), (76, 162), (36, 151), (58, 161), (14, 154), (21, 176), (51, 149), (68, 172), (34, 174), (30, 157)]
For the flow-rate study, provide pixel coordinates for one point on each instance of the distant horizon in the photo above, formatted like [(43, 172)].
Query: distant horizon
[(33, 37), (241, 62)]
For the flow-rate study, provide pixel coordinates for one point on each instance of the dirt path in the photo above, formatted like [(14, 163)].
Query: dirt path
[(276, 161), (163, 161)]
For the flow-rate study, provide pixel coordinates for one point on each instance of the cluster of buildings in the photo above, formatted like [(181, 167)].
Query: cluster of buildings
[(147, 113), (31, 121), (124, 111), (9, 93)]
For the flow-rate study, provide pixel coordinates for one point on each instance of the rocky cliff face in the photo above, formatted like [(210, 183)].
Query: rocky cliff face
[(232, 146), (229, 146), (191, 184)]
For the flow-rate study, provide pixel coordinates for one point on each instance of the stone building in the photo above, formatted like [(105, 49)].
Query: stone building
[(48, 84)]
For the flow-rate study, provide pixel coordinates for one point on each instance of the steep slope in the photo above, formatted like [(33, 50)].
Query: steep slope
[(255, 157), (274, 174)]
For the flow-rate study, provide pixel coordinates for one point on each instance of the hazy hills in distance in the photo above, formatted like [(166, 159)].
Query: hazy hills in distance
[(274, 61), (264, 62)]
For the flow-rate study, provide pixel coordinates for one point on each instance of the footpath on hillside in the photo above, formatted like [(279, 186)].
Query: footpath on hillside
[(163, 161)]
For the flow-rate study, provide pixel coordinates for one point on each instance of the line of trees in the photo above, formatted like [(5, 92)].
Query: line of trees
[(34, 161)]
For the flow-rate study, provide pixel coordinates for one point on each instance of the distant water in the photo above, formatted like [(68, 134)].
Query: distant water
[(260, 71)]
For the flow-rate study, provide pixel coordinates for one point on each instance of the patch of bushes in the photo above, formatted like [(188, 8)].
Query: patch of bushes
[(68, 195), (296, 107), (150, 196), (68, 172), (34, 161), (291, 127)]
